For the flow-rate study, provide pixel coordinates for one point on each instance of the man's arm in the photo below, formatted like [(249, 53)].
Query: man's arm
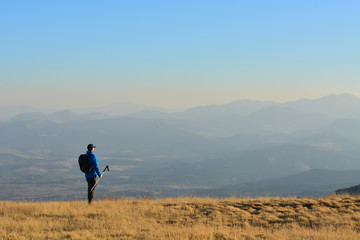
[(96, 167)]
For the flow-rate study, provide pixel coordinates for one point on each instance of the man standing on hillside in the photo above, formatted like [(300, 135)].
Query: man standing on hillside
[(91, 176)]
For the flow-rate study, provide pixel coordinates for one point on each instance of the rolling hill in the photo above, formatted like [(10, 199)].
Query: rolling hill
[(208, 147)]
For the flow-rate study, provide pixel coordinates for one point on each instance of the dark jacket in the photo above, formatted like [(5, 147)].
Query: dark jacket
[(94, 163)]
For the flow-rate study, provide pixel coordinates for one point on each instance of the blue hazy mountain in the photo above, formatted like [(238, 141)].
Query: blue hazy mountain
[(317, 182), (62, 116), (9, 112), (204, 147)]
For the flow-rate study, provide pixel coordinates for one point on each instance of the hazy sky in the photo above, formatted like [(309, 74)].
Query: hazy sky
[(176, 53)]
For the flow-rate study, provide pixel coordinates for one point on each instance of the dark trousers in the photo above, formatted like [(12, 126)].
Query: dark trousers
[(91, 182)]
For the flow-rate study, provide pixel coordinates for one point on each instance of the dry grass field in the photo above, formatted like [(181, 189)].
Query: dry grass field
[(332, 217)]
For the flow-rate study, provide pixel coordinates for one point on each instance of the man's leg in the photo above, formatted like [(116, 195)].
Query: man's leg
[(91, 183)]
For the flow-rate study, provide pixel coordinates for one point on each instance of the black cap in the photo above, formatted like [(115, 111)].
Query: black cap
[(90, 147)]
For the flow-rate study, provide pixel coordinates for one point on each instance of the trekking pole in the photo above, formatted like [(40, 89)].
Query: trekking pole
[(106, 168)]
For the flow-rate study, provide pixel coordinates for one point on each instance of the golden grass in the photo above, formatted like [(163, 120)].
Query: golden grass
[(184, 218)]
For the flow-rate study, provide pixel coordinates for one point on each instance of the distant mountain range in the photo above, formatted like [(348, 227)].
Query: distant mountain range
[(21, 113), (245, 146), (60, 116), (334, 106), (317, 182), (240, 117)]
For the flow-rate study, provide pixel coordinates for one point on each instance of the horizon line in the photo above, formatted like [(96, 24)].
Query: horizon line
[(177, 108)]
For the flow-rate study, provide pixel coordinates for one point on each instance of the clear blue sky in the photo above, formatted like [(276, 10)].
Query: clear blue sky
[(176, 53)]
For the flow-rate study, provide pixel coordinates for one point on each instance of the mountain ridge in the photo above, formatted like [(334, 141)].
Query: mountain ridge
[(206, 147), (242, 107)]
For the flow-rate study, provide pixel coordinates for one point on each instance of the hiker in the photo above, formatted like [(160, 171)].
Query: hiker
[(91, 176)]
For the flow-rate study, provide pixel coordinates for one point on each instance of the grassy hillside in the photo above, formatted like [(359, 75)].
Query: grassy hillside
[(184, 218)]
